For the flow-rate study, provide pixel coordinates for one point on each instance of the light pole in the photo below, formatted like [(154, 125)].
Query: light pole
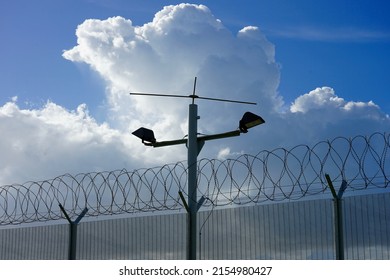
[(192, 154), (194, 146)]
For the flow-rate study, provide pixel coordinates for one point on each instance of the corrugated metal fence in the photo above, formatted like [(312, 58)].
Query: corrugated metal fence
[(288, 230)]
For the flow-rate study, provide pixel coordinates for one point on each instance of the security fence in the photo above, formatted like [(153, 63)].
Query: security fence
[(292, 230), (274, 205)]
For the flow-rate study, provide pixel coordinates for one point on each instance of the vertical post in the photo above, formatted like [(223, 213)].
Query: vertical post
[(338, 217), (72, 231), (72, 241), (192, 179), (339, 235)]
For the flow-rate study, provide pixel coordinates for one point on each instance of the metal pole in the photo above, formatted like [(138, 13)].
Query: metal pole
[(72, 241), (338, 217), (73, 231), (339, 229), (192, 179)]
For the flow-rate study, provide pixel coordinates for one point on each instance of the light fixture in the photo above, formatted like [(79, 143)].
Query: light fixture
[(146, 135), (249, 120)]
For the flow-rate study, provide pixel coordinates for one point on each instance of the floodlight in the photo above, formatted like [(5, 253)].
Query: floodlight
[(145, 134), (249, 120)]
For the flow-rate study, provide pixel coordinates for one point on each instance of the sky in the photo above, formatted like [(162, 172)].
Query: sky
[(317, 70)]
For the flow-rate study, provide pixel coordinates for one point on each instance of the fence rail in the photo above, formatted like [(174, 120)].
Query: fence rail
[(277, 175)]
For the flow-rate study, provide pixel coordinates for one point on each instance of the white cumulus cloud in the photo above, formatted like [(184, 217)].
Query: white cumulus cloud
[(319, 98), (165, 55), (52, 140), (322, 114)]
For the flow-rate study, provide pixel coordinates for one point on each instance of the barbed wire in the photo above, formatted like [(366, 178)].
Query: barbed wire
[(280, 174)]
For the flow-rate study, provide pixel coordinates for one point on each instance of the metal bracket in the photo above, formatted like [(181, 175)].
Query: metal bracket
[(75, 222), (184, 202), (200, 203), (73, 231), (340, 193)]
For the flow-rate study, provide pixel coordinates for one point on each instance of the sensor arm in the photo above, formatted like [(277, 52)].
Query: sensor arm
[(200, 139), (167, 143)]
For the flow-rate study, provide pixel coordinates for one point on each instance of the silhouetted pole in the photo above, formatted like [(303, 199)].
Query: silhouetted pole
[(192, 180), (338, 217), (73, 232)]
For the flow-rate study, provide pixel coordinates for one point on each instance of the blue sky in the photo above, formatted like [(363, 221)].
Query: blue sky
[(342, 44), (318, 69)]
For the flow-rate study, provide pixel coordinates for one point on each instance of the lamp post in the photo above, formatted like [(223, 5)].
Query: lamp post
[(194, 146), (192, 154)]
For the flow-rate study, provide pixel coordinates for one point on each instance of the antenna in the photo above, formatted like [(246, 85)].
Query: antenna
[(193, 92), (193, 96)]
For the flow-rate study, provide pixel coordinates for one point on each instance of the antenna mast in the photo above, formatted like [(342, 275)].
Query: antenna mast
[(193, 96)]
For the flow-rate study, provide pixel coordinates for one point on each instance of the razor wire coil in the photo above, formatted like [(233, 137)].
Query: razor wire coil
[(276, 175)]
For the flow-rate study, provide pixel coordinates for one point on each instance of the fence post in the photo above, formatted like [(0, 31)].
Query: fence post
[(73, 232), (189, 235), (338, 217)]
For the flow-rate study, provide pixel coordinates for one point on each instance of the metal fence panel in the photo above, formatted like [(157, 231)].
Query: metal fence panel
[(287, 230), (297, 230), (48, 242), (367, 226), (145, 237)]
